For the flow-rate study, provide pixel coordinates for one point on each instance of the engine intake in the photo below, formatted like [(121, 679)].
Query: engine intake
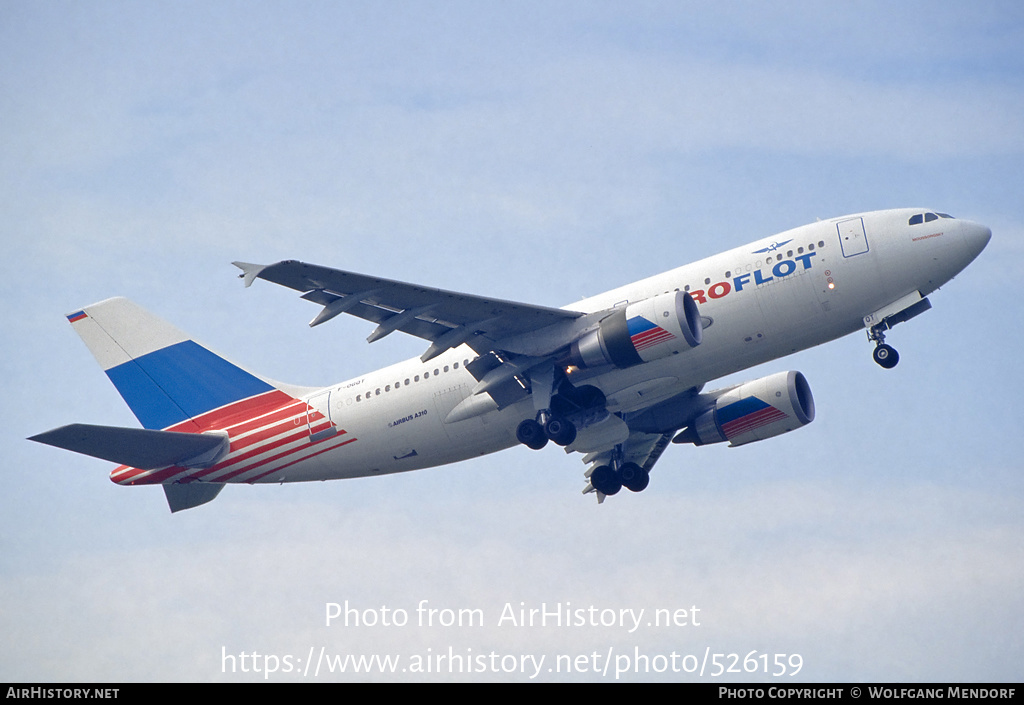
[(753, 411), (641, 332)]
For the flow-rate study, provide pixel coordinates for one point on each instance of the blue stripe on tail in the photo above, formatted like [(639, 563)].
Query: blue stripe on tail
[(179, 382)]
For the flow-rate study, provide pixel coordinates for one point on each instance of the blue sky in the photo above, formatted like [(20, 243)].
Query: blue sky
[(537, 152)]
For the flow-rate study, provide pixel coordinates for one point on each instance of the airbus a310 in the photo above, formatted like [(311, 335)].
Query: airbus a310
[(616, 377)]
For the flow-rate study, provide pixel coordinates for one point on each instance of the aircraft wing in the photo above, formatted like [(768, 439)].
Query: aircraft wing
[(446, 318)]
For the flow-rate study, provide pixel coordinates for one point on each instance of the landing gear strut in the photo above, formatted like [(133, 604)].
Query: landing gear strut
[(884, 355)]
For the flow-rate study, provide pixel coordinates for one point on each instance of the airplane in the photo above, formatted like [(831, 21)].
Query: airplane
[(617, 377)]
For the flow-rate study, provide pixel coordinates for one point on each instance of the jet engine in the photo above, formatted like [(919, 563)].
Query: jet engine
[(641, 332), (753, 411)]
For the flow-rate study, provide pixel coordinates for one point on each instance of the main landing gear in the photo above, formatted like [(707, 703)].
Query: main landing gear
[(535, 434), (608, 481), (555, 401), (884, 355)]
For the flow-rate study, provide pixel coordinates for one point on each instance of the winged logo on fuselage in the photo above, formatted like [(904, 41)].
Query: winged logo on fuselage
[(771, 248)]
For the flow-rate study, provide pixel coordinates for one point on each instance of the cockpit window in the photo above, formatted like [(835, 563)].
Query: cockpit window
[(926, 218)]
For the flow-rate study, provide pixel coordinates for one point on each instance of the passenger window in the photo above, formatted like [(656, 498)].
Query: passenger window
[(456, 365)]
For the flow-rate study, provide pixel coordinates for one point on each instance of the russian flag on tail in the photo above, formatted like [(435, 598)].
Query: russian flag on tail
[(164, 376)]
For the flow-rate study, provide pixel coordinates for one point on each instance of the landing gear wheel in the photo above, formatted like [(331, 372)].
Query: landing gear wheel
[(634, 478), (531, 434), (886, 356), (605, 480), (560, 431)]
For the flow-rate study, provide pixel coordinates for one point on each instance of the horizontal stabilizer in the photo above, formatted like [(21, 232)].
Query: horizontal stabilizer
[(139, 447)]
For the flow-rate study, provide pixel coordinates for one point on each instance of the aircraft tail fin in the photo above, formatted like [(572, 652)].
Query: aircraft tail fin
[(165, 377)]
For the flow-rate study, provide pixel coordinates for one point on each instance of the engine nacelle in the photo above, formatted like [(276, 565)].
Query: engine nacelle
[(753, 411), (641, 332)]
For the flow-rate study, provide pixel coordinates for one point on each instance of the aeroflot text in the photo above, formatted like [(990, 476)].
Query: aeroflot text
[(781, 270)]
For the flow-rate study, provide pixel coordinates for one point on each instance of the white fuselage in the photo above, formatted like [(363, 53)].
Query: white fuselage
[(761, 301)]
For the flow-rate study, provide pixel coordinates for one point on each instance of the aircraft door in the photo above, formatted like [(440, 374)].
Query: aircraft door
[(852, 238), (315, 418)]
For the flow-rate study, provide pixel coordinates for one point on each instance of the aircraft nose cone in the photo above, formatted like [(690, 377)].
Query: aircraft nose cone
[(977, 237)]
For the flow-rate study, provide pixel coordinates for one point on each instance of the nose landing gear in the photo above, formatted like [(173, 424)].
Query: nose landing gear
[(884, 355), (899, 311)]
